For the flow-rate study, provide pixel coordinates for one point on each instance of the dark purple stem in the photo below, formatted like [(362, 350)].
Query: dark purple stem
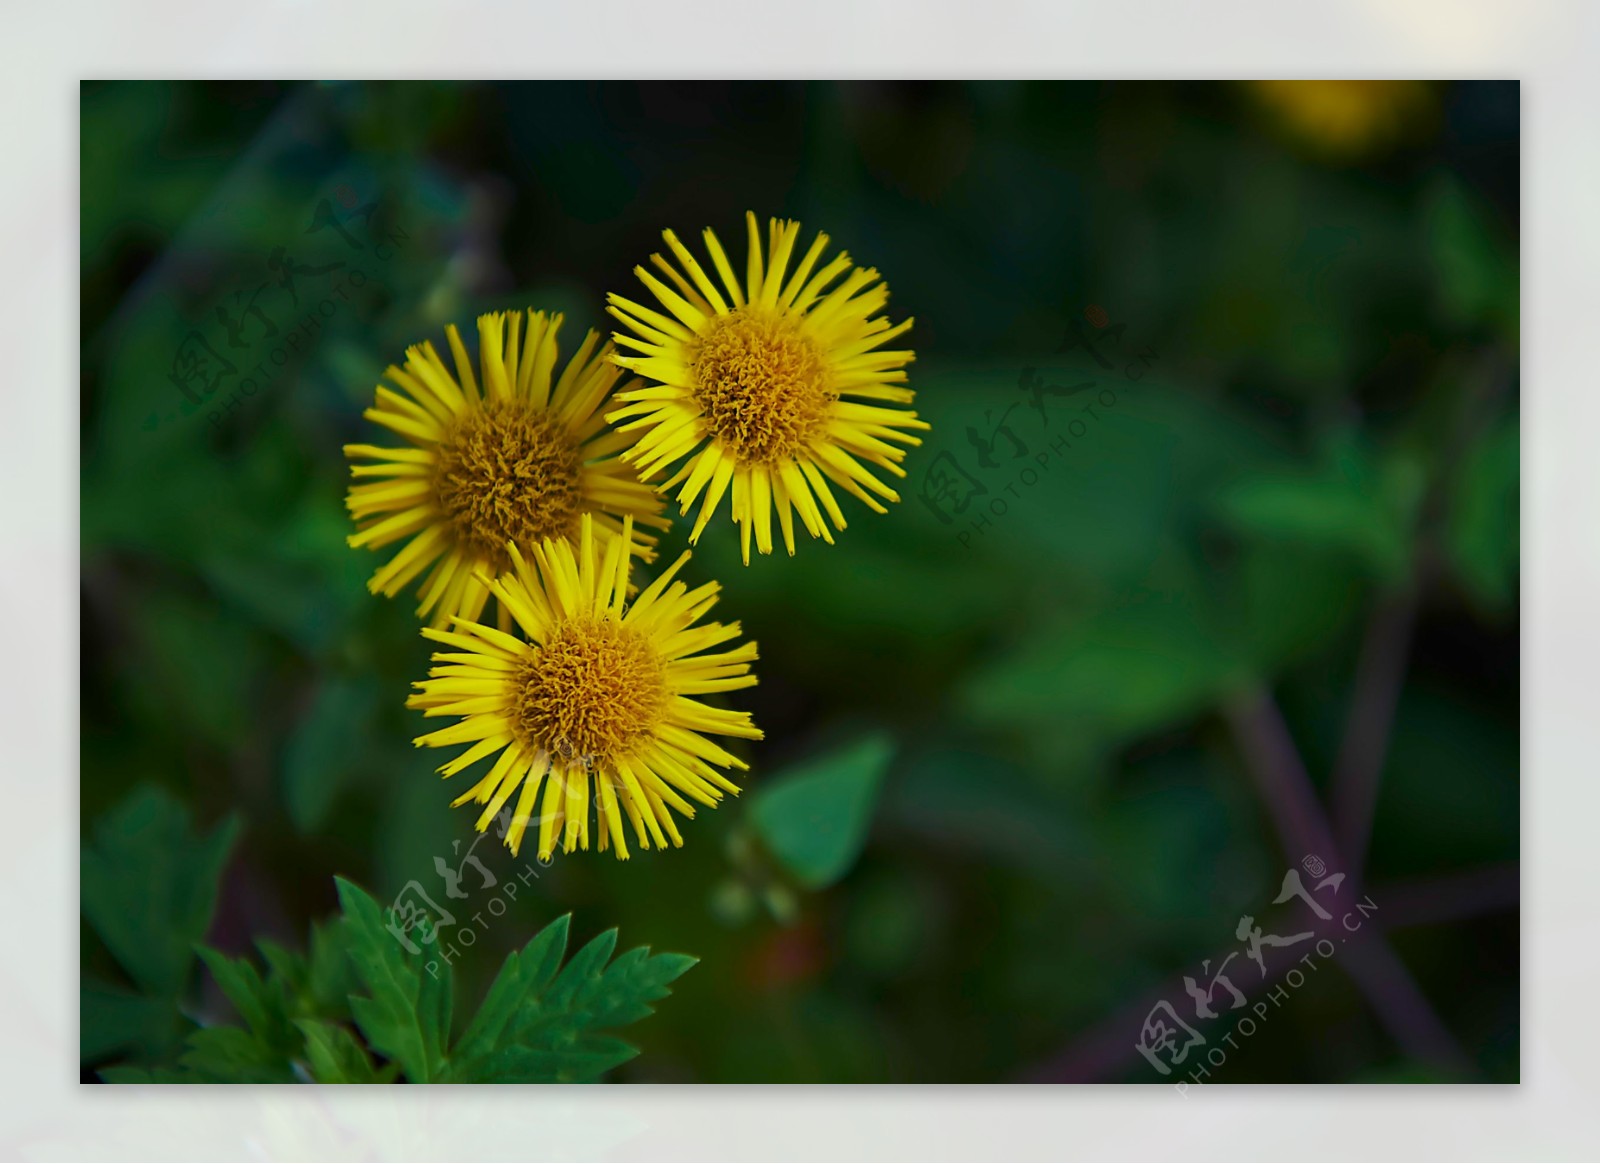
[(1274, 764), (1108, 1047), (1280, 776), (1452, 897), (1379, 678)]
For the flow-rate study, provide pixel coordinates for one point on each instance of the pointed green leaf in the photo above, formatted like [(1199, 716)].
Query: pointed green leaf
[(541, 958), (814, 816), (232, 1055), (1353, 503), (330, 975), (262, 1003), (324, 747), (435, 1001), (149, 886), (286, 966), (389, 1015), (633, 983), (242, 984), (335, 1055), (579, 1063), (524, 973), (584, 969), (544, 1024)]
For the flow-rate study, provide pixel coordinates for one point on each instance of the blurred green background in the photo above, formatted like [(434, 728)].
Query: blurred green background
[(1301, 498)]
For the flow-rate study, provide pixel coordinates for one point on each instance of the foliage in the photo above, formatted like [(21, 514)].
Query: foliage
[(358, 1007), (149, 888), (814, 816)]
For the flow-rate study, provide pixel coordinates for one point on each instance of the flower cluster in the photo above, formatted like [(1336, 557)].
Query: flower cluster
[(526, 485)]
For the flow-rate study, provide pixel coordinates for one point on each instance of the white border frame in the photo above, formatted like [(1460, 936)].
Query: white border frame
[(1548, 45)]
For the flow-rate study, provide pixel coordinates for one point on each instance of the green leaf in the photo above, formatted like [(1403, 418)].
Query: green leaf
[(435, 1002), (1350, 504), (262, 1053), (405, 1014), (317, 985), (194, 667), (287, 966), (1474, 263), (1292, 600), (814, 816), (213, 1055), (262, 1003), (111, 1019), (305, 587), (1091, 684), (538, 1025), (232, 1055), (128, 1074), (325, 746), (336, 1056), (583, 1060), (149, 887), (527, 972), (330, 974), (1482, 527)]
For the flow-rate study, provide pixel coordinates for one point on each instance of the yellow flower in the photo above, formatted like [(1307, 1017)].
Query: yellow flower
[(1344, 119), (775, 387), (514, 461), (597, 693)]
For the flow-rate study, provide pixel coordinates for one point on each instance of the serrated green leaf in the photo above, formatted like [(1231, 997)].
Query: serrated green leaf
[(242, 984), (524, 973), (505, 992), (330, 976), (314, 985), (634, 981), (580, 1063), (232, 1055), (336, 1056), (541, 958), (149, 886), (262, 1003), (287, 966), (585, 968), (814, 816), (435, 1003), (545, 1024), (390, 1016), (541, 1021)]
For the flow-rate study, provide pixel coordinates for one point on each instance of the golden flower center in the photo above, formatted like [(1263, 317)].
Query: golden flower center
[(506, 472), (763, 387), (591, 691)]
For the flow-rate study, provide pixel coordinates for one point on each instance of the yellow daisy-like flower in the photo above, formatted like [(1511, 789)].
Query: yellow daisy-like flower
[(1344, 119), (774, 387), (598, 693), (514, 458)]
